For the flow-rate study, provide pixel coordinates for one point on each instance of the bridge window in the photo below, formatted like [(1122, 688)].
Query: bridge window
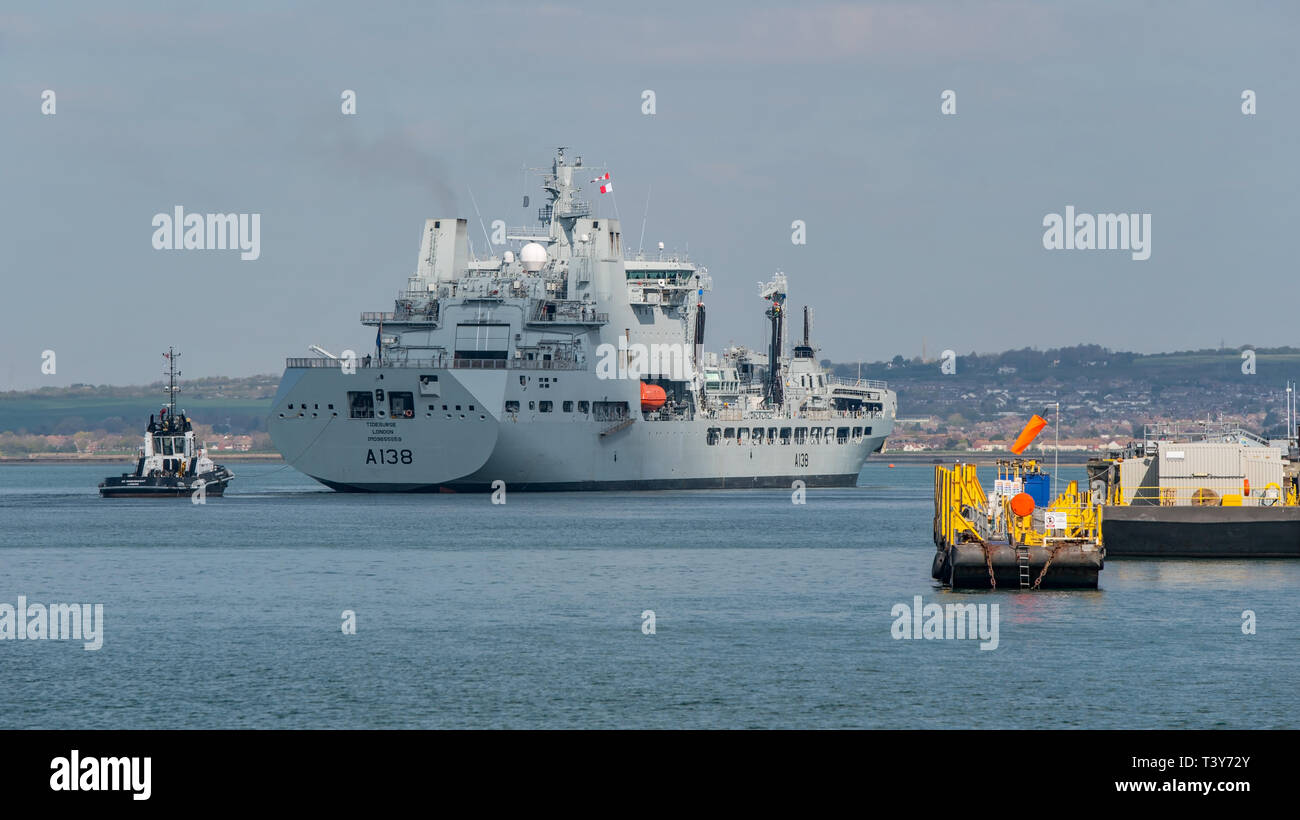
[(842, 435), (584, 407), (361, 404), (785, 435), (816, 435), (482, 341), (545, 406), (771, 435), (830, 434), (729, 433), (568, 407), (713, 435), (857, 433), (800, 435), (512, 407)]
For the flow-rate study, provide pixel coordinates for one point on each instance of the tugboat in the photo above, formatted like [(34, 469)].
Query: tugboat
[(170, 464)]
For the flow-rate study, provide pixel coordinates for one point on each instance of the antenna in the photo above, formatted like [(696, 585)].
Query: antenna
[(1056, 455), (171, 373), (480, 220), (644, 216)]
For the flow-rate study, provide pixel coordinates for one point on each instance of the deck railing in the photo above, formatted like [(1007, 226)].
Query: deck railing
[(441, 362)]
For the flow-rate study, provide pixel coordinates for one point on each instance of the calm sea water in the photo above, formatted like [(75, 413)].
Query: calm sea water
[(528, 614)]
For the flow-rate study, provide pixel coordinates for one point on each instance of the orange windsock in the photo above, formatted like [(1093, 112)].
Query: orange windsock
[(1027, 435)]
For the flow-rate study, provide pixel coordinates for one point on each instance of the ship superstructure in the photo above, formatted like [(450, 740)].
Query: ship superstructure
[(565, 363)]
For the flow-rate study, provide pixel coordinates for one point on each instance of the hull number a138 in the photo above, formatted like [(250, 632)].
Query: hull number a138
[(388, 456)]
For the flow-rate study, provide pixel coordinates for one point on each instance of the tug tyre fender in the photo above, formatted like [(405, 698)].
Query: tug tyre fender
[(939, 564)]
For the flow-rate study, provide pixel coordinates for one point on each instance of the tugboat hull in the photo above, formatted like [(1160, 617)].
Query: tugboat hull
[(131, 486)]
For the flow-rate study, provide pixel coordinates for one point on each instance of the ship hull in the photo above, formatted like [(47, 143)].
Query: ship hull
[(1201, 532), (131, 486), (463, 450)]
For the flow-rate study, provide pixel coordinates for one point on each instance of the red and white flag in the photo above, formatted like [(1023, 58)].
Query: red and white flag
[(601, 178), (607, 188)]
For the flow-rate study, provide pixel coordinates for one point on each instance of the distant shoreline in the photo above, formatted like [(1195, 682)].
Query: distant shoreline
[(980, 457), (98, 458)]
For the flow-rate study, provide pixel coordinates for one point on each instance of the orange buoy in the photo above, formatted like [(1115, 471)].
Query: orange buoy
[(891, 466), (652, 396), (1022, 504), (1246, 488), (1031, 431)]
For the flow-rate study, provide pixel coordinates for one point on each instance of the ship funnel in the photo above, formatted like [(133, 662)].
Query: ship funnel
[(805, 350)]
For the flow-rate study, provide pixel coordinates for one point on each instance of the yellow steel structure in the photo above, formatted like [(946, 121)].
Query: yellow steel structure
[(957, 493), (963, 513)]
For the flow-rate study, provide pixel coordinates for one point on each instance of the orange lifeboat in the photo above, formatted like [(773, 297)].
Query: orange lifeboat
[(652, 396)]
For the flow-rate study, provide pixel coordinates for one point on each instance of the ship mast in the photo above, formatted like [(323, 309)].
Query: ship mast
[(775, 292), (171, 373)]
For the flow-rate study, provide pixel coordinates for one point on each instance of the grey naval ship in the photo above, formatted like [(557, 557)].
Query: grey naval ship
[(565, 363)]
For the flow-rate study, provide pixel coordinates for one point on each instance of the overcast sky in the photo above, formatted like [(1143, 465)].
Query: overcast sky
[(921, 227)]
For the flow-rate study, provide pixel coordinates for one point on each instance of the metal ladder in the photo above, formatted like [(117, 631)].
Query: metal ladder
[(1022, 558)]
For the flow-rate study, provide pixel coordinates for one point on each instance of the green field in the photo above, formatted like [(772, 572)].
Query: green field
[(35, 415)]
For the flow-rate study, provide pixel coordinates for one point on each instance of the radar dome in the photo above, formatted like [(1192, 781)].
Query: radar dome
[(510, 257), (533, 256)]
